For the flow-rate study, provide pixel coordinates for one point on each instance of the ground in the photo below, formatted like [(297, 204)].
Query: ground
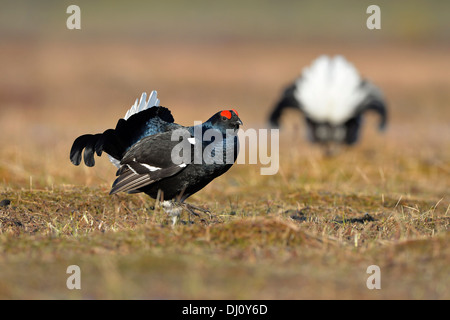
[(310, 231)]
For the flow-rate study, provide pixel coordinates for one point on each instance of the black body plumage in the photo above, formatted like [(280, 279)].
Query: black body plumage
[(143, 144)]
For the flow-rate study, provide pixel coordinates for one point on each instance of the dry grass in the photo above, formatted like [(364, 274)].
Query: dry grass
[(127, 249), (310, 231)]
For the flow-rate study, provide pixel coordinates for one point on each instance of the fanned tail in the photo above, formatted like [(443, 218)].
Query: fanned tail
[(141, 120), (138, 106), (329, 90)]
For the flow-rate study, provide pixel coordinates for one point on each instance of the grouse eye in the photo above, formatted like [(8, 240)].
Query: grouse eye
[(224, 118)]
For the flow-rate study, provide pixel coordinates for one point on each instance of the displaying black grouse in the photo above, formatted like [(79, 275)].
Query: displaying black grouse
[(165, 160), (332, 97)]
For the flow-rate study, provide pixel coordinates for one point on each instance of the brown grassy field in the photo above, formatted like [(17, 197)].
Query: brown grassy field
[(308, 232)]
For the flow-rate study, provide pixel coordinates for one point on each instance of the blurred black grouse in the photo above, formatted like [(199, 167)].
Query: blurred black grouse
[(332, 97), (165, 160)]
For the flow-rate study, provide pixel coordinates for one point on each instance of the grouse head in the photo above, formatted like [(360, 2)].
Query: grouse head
[(226, 120)]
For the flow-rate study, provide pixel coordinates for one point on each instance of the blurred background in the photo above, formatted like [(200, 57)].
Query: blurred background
[(203, 56)]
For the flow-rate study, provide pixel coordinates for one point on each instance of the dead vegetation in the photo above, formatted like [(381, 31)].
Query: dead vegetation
[(268, 253)]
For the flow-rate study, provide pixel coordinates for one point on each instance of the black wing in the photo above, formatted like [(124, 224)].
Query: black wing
[(148, 161), (374, 101), (287, 100)]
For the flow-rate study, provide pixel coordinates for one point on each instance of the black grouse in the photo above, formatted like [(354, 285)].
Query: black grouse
[(161, 158), (332, 97)]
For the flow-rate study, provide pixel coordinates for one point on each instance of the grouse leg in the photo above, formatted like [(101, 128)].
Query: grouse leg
[(173, 209), (192, 209)]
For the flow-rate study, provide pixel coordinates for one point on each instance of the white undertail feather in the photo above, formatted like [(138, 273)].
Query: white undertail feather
[(143, 104), (138, 106), (329, 90)]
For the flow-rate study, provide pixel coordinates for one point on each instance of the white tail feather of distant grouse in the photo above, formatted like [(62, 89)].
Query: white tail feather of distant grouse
[(329, 90), (332, 96), (142, 144)]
